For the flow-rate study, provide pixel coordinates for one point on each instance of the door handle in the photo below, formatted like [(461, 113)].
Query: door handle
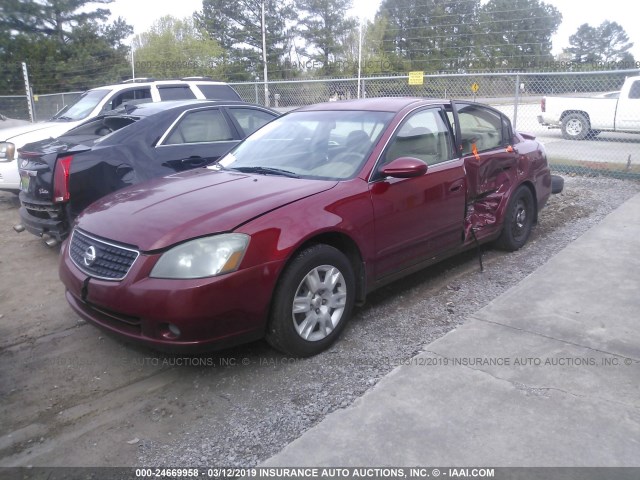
[(194, 161), (456, 186)]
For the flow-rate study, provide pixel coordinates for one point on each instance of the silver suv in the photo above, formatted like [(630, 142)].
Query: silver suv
[(98, 101)]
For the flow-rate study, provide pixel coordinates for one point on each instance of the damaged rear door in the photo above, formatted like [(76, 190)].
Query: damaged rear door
[(484, 136)]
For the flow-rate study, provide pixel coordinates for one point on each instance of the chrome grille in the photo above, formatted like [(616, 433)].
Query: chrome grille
[(100, 259)]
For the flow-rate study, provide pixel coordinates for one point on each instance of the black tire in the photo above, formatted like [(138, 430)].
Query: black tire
[(327, 307), (518, 220), (557, 184), (575, 126)]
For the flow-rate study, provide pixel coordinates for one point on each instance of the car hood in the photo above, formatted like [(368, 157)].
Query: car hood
[(34, 131), (157, 214)]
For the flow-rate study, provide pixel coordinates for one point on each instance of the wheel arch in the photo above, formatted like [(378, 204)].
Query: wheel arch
[(566, 113), (529, 184), (345, 244)]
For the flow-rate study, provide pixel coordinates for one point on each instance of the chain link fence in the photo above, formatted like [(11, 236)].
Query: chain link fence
[(518, 95), (14, 106), (44, 106)]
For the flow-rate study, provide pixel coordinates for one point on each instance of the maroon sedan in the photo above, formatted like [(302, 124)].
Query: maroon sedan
[(301, 221)]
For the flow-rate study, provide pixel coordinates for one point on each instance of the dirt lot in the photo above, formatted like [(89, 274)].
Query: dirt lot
[(71, 396)]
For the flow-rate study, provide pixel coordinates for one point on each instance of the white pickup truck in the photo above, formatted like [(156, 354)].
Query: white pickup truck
[(586, 117)]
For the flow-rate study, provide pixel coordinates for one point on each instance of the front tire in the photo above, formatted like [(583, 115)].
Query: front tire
[(518, 220), (312, 302), (575, 126)]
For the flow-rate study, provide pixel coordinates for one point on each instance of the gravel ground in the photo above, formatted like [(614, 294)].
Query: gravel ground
[(71, 396), (256, 402)]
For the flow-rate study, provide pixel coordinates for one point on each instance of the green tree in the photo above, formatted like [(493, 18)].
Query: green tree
[(606, 43), (174, 48), (516, 34), (433, 35), (55, 18), (66, 45), (325, 30), (217, 18), (374, 60), (237, 27)]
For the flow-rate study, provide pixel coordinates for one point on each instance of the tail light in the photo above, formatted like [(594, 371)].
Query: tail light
[(61, 179), (543, 104)]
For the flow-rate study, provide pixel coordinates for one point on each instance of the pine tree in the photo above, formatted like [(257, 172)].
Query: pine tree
[(65, 45), (606, 43), (324, 28)]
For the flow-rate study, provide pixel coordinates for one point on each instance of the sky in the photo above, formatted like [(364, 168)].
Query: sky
[(142, 13)]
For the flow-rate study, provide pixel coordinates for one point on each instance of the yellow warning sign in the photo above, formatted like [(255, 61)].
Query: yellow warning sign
[(416, 78), (475, 87)]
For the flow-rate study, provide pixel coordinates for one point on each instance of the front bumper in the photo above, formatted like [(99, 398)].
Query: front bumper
[(209, 313), (546, 123), (9, 176)]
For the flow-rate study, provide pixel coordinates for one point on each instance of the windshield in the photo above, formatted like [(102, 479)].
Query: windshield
[(330, 145), (82, 107)]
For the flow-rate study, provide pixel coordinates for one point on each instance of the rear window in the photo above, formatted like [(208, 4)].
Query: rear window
[(101, 126), (177, 92), (218, 92)]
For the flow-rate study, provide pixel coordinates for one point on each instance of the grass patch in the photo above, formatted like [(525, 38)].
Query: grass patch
[(594, 169)]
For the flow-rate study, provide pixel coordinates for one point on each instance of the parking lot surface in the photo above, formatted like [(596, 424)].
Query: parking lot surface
[(71, 396), (548, 374)]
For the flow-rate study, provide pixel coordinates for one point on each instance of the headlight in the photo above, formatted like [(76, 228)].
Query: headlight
[(7, 151), (203, 257)]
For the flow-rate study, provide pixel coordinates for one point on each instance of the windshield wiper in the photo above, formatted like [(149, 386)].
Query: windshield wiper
[(267, 171), (64, 117)]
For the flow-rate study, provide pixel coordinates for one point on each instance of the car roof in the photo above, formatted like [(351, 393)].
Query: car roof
[(150, 108), (127, 85), (380, 104)]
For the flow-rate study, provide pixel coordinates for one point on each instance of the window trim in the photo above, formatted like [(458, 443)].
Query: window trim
[(375, 175), (508, 139), (634, 86), (169, 131), (237, 125), (118, 93)]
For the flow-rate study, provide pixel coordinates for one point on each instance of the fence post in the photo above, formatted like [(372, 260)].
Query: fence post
[(516, 101), (27, 88)]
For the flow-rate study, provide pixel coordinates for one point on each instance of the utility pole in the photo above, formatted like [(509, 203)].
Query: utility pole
[(133, 64), (27, 88), (359, 53), (264, 59)]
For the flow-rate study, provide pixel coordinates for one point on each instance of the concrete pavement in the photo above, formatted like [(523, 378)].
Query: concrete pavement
[(546, 375)]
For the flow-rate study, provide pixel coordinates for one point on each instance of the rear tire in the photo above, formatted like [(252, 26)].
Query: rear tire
[(518, 220), (575, 126), (312, 302)]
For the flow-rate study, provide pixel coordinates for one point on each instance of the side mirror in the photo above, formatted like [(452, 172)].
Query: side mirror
[(405, 167)]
